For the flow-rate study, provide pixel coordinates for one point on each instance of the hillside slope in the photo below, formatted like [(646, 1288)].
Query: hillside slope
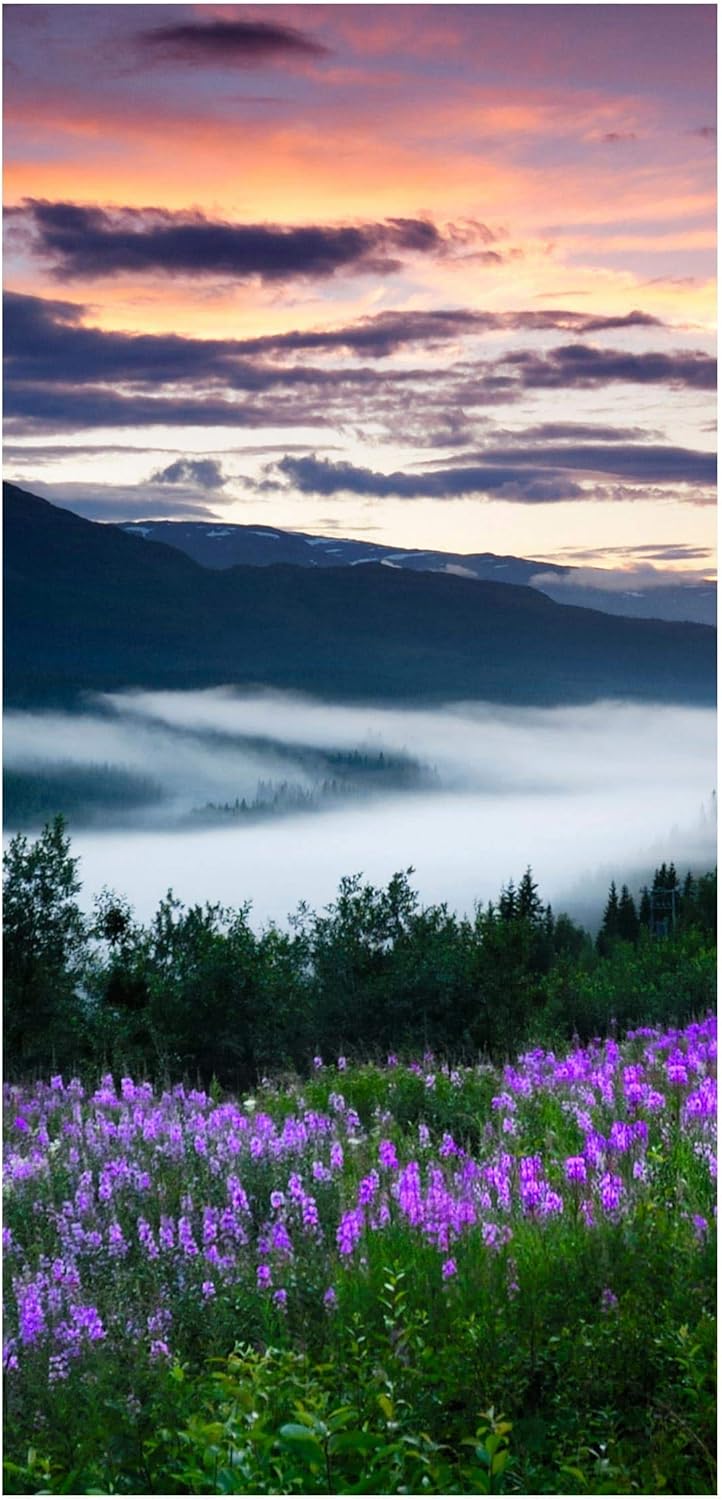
[(221, 545), (89, 607)]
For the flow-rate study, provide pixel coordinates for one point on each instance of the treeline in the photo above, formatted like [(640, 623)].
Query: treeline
[(86, 793), (197, 992), (275, 799), (90, 794), (662, 907)]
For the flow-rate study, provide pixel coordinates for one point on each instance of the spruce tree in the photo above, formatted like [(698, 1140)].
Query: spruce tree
[(627, 920), (609, 929), (527, 901), (508, 902)]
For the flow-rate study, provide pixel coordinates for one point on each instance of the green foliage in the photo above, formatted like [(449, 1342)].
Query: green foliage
[(198, 992), (400, 1387), (89, 794), (44, 949)]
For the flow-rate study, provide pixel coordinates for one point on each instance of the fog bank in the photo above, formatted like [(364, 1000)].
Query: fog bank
[(579, 794)]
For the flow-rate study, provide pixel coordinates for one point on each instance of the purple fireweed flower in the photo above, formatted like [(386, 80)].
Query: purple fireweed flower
[(185, 1237), (85, 1323), (490, 1234), (341, 1065), (159, 1350), (621, 1136), (448, 1268), (448, 1146), (237, 1196), (159, 1321), (368, 1188), (280, 1297), (281, 1240), (208, 1290), (552, 1203), (349, 1231), (504, 1101), (383, 1217), (336, 1157), (277, 1199), (309, 1213), (609, 1301), (611, 1192), (231, 1226), (677, 1073), (700, 1226), (31, 1316), (147, 1239), (318, 1062), (58, 1368), (263, 1277), (330, 1299), (529, 1168), (575, 1169), (408, 1192), (424, 1137), (702, 1102), (531, 1194), (387, 1155), (210, 1226), (594, 1148), (166, 1233)]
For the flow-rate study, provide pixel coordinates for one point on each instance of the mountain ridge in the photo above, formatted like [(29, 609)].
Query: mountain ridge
[(88, 608), (221, 545)]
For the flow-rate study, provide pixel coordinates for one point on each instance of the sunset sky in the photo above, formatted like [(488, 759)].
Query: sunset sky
[(441, 276)]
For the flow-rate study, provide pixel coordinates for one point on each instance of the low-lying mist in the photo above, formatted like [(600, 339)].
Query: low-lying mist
[(271, 798)]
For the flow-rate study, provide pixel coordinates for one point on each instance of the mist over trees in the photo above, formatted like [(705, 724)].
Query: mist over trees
[(197, 991)]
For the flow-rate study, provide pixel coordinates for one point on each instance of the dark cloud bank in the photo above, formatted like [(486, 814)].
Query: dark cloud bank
[(85, 240), (228, 42), (63, 375), (510, 473)]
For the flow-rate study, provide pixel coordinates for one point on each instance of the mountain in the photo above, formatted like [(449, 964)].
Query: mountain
[(88, 607), (223, 546)]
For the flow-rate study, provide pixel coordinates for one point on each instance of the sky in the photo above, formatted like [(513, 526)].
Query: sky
[(439, 276)]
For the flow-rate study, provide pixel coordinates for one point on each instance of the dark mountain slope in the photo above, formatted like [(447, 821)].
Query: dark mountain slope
[(88, 607), (221, 545)]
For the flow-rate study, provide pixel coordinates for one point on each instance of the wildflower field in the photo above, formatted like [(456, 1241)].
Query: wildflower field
[(404, 1278)]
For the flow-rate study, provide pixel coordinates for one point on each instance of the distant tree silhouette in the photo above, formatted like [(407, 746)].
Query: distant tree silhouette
[(627, 919), (609, 929)]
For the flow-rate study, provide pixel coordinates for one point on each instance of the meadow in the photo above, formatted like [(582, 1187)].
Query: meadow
[(400, 1279)]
